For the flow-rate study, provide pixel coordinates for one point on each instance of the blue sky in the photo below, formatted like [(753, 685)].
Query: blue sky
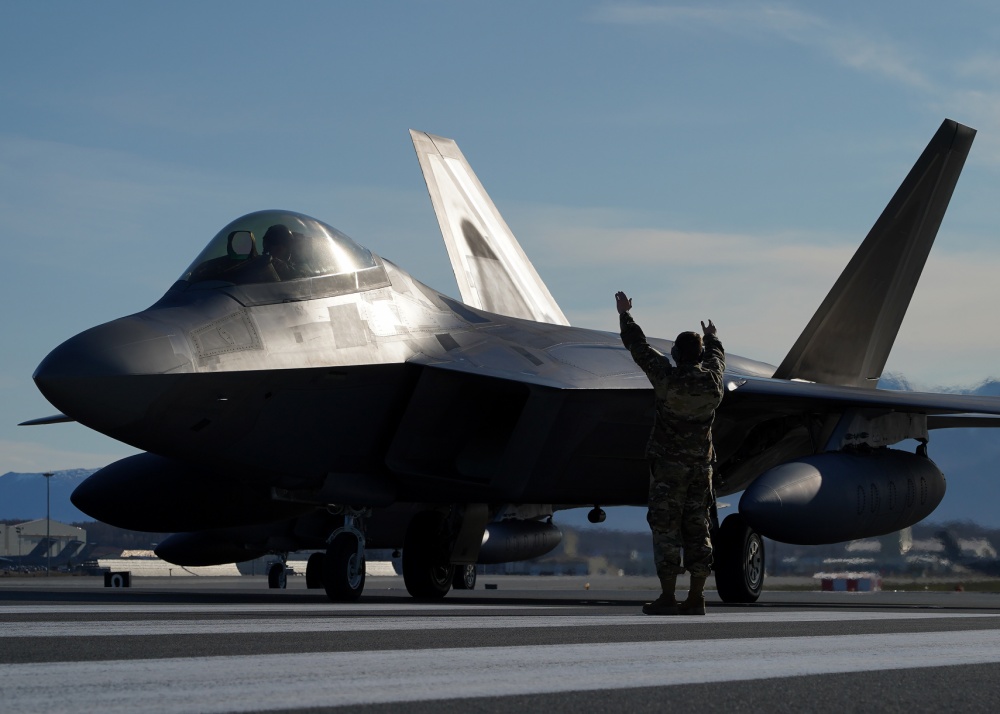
[(714, 160)]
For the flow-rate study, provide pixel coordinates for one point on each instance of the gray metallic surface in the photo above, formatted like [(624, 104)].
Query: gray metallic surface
[(492, 271)]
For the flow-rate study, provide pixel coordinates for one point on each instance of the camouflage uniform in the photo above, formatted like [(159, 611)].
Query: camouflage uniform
[(680, 451)]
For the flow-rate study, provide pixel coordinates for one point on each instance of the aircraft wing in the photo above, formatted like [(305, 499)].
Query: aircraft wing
[(962, 421), (545, 356), (767, 395), (784, 395)]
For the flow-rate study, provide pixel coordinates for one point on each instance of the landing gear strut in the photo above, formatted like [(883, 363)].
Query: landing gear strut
[(343, 567), (739, 561)]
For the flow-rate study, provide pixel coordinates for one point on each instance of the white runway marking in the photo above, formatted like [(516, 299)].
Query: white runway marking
[(268, 682), (228, 609), (379, 623)]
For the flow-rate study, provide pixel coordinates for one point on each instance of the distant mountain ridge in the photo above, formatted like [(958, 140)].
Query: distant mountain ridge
[(987, 388), (22, 495)]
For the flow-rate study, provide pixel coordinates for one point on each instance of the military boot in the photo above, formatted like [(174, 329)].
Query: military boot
[(666, 604), (695, 603)]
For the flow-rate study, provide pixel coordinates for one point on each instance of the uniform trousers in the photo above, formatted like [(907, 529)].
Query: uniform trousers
[(680, 493)]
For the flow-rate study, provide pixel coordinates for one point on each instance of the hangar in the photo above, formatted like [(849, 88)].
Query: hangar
[(21, 542)]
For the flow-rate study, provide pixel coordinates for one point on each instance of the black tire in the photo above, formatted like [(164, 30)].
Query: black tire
[(344, 569), (739, 561), (277, 576), (314, 571), (465, 577), (427, 573)]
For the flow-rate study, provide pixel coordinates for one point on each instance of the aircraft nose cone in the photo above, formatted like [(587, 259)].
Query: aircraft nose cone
[(130, 345), (94, 376)]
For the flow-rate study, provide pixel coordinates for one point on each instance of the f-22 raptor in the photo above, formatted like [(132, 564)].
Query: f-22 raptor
[(293, 391)]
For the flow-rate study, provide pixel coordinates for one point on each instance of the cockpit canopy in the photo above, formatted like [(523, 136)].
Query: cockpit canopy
[(277, 246)]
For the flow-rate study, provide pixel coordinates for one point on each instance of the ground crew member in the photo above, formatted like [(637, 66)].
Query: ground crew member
[(680, 455)]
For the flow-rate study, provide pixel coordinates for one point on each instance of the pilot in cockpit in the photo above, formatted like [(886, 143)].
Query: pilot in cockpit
[(277, 244)]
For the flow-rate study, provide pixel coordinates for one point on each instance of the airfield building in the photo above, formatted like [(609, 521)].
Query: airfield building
[(20, 539)]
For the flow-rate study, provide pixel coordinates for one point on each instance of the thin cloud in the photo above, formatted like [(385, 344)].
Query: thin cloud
[(762, 288), (848, 46), (962, 88), (980, 67)]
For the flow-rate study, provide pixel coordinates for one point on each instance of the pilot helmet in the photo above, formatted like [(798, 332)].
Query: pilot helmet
[(277, 240)]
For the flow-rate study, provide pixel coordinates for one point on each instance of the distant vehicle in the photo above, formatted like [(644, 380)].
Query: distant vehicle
[(295, 391)]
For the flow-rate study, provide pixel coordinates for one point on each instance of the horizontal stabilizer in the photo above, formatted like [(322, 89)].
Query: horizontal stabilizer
[(492, 271), (848, 340), (942, 410)]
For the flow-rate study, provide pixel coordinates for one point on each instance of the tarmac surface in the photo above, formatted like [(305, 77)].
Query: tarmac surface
[(531, 644)]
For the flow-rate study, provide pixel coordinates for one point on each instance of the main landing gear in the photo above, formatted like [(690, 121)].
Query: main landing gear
[(465, 577), (440, 549), (277, 575), (739, 561), (314, 571), (427, 572)]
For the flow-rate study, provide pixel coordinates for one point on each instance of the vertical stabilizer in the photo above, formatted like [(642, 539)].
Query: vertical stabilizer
[(492, 271), (847, 342)]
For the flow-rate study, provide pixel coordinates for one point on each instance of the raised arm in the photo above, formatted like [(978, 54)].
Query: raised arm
[(649, 360), (715, 356)]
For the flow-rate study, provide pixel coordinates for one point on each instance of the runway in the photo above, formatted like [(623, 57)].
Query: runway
[(204, 645)]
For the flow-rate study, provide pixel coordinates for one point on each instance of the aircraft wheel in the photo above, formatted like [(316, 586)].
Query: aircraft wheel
[(344, 569), (277, 576), (739, 561), (314, 571), (427, 573), (465, 577)]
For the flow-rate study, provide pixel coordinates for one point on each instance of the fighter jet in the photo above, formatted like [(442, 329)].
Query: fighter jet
[(293, 390)]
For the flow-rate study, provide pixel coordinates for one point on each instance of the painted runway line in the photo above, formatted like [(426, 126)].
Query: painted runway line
[(380, 623), (265, 682), (228, 609)]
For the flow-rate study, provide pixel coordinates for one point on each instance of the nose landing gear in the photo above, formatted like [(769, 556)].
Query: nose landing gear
[(343, 567)]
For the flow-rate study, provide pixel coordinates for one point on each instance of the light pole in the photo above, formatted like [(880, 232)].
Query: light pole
[(48, 522), (18, 530)]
